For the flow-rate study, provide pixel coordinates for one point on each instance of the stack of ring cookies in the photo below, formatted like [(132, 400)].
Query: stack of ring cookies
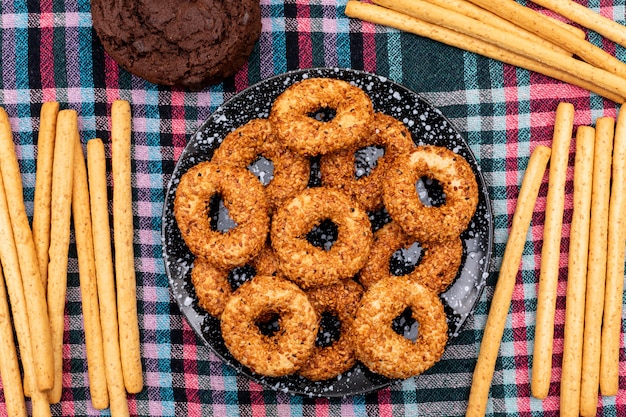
[(272, 322)]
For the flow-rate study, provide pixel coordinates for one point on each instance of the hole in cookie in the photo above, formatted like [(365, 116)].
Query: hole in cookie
[(379, 218), (366, 160), (404, 260), (218, 215), (263, 169), (268, 324), (315, 177), (405, 325), (323, 235), (239, 275), (329, 330), (324, 114), (430, 192)]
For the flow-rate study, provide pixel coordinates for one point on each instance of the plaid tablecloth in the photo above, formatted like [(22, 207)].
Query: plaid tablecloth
[(49, 52)]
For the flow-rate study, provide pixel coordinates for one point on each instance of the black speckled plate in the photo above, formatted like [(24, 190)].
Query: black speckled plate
[(427, 125)]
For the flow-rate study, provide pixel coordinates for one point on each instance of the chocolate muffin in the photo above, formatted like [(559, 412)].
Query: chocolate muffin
[(188, 43)]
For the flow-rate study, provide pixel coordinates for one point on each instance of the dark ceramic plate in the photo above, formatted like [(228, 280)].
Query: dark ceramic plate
[(427, 125)]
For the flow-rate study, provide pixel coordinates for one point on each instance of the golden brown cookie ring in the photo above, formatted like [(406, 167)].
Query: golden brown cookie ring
[(290, 115), (342, 301), (266, 262), (306, 264), (243, 196), (436, 270), (282, 353), (384, 351), (256, 138), (338, 169), (459, 185), (211, 285)]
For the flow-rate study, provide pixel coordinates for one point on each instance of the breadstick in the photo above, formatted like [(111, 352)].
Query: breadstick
[(123, 241), (38, 321), (551, 251), (596, 266), (471, 10), (88, 286), (105, 277), (536, 23), (61, 199), (587, 18), (400, 21), (501, 302), (11, 266), (573, 31), (455, 21), (612, 319), (43, 185), (9, 366), (577, 273)]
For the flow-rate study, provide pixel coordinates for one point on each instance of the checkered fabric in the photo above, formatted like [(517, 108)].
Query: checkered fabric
[(49, 52)]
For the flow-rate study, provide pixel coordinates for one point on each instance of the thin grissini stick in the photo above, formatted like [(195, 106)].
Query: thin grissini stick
[(574, 31), (28, 265), (551, 251), (536, 23), (61, 202), (89, 289), (11, 267), (9, 366), (612, 318), (105, 277), (587, 18), (471, 27), (577, 273), (123, 241), (382, 16), (471, 10), (501, 302), (596, 266), (43, 185)]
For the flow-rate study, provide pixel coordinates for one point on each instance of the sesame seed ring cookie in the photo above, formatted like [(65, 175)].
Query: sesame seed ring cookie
[(291, 115), (341, 300), (455, 176), (266, 262), (244, 198), (388, 353), (212, 286), (436, 269), (285, 351), (338, 168), (308, 265), (256, 138)]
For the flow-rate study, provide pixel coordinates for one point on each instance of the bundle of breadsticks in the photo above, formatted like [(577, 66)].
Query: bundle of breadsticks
[(514, 34), (35, 264), (595, 273)]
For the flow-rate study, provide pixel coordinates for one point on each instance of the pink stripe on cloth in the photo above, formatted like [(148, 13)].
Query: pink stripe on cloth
[(192, 385), (322, 407), (241, 78), (369, 51), (305, 46), (113, 78), (46, 69), (369, 46), (384, 403), (256, 400), (179, 139)]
